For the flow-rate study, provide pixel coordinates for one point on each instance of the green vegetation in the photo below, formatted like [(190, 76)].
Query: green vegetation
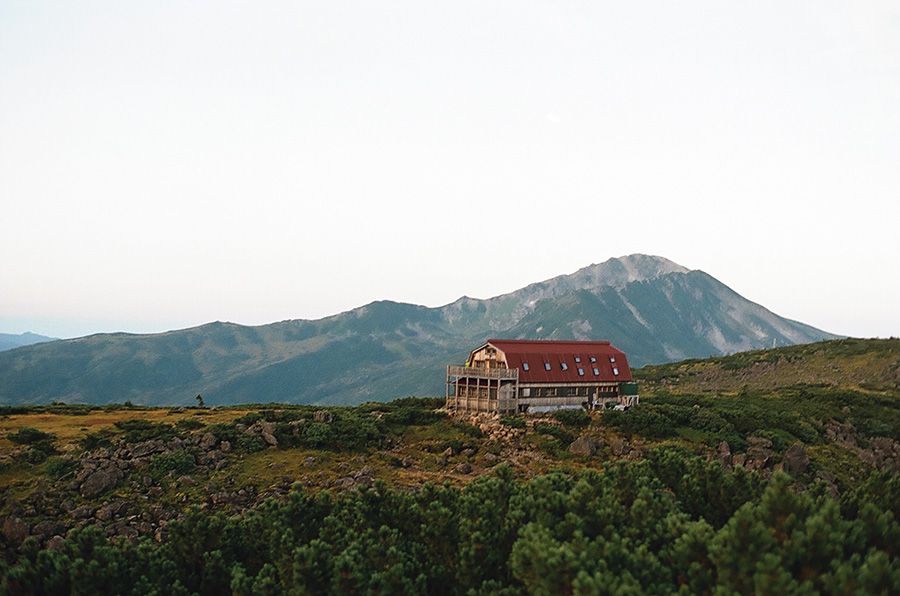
[(513, 422), (573, 418), (634, 528), (41, 444), (401, 498)]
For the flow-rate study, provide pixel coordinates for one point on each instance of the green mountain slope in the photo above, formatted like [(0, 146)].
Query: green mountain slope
[(871, 365), (653, 309)]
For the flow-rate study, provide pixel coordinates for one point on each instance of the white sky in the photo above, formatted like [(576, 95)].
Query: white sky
[(166, 164)]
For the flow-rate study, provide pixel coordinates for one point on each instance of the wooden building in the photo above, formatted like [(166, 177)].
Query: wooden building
[(511, 376)]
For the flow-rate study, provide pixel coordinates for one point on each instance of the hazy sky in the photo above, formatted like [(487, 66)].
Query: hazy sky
[(167, 164)]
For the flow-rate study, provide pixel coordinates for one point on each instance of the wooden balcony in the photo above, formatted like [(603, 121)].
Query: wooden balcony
[(474, 372), (479, 389)]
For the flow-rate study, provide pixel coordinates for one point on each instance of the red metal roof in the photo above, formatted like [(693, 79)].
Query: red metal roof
[(575, 355)]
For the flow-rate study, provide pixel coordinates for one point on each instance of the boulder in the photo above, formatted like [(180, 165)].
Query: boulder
[(110, 510), (464, 468), (208, 441), (323, 416), (83, 512), (490, 458), (796, 459), (47, 529), (619, 446), (96, 484), (147, 448), (583, 445), (269, 438), (15, 530)]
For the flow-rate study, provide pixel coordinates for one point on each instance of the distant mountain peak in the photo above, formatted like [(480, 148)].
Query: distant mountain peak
[(8, 341), (619, 271)]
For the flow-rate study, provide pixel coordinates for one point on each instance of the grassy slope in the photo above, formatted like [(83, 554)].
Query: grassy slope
[(692, 405), (865, 364)]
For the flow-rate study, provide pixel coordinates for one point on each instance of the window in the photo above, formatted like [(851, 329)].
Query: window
[(612, 358), (577, 359), (615, 371), (580, 371), (593, 359), (596, 372), (524, 366), (546, 366), (564, 366)]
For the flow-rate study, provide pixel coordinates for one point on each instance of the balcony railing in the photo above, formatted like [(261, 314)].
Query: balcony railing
[(475, 372)]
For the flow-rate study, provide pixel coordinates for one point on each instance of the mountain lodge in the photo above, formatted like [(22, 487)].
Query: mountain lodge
[(516, 376)]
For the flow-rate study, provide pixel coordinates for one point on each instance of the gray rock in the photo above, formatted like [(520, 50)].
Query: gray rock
[(225, 447), (147, 448), (208, 441), (110, 510), (83, 512), (619, 446), (269, 438), (15, 530), (583, 445), (187, 480), (96, 484), (323, 416), (365, 471), (47, 528), (128, 532), (867, 457), (345, 483), (55, 543), (464, 468), (796, 459)]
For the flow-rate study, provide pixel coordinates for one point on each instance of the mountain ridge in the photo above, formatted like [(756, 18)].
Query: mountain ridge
[(9, 341), (651, 308)]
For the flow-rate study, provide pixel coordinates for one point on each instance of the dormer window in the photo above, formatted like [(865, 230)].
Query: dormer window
[(524, 366), (577, 359), (612, 358), (564, 366), (596, 372), (580, 372), (615, 371), (546, 366), (593, 359)]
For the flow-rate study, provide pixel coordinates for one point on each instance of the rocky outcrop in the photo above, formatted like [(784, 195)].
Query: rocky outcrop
[(15, 530), (98, 483), (796, 459), (583, 445)]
